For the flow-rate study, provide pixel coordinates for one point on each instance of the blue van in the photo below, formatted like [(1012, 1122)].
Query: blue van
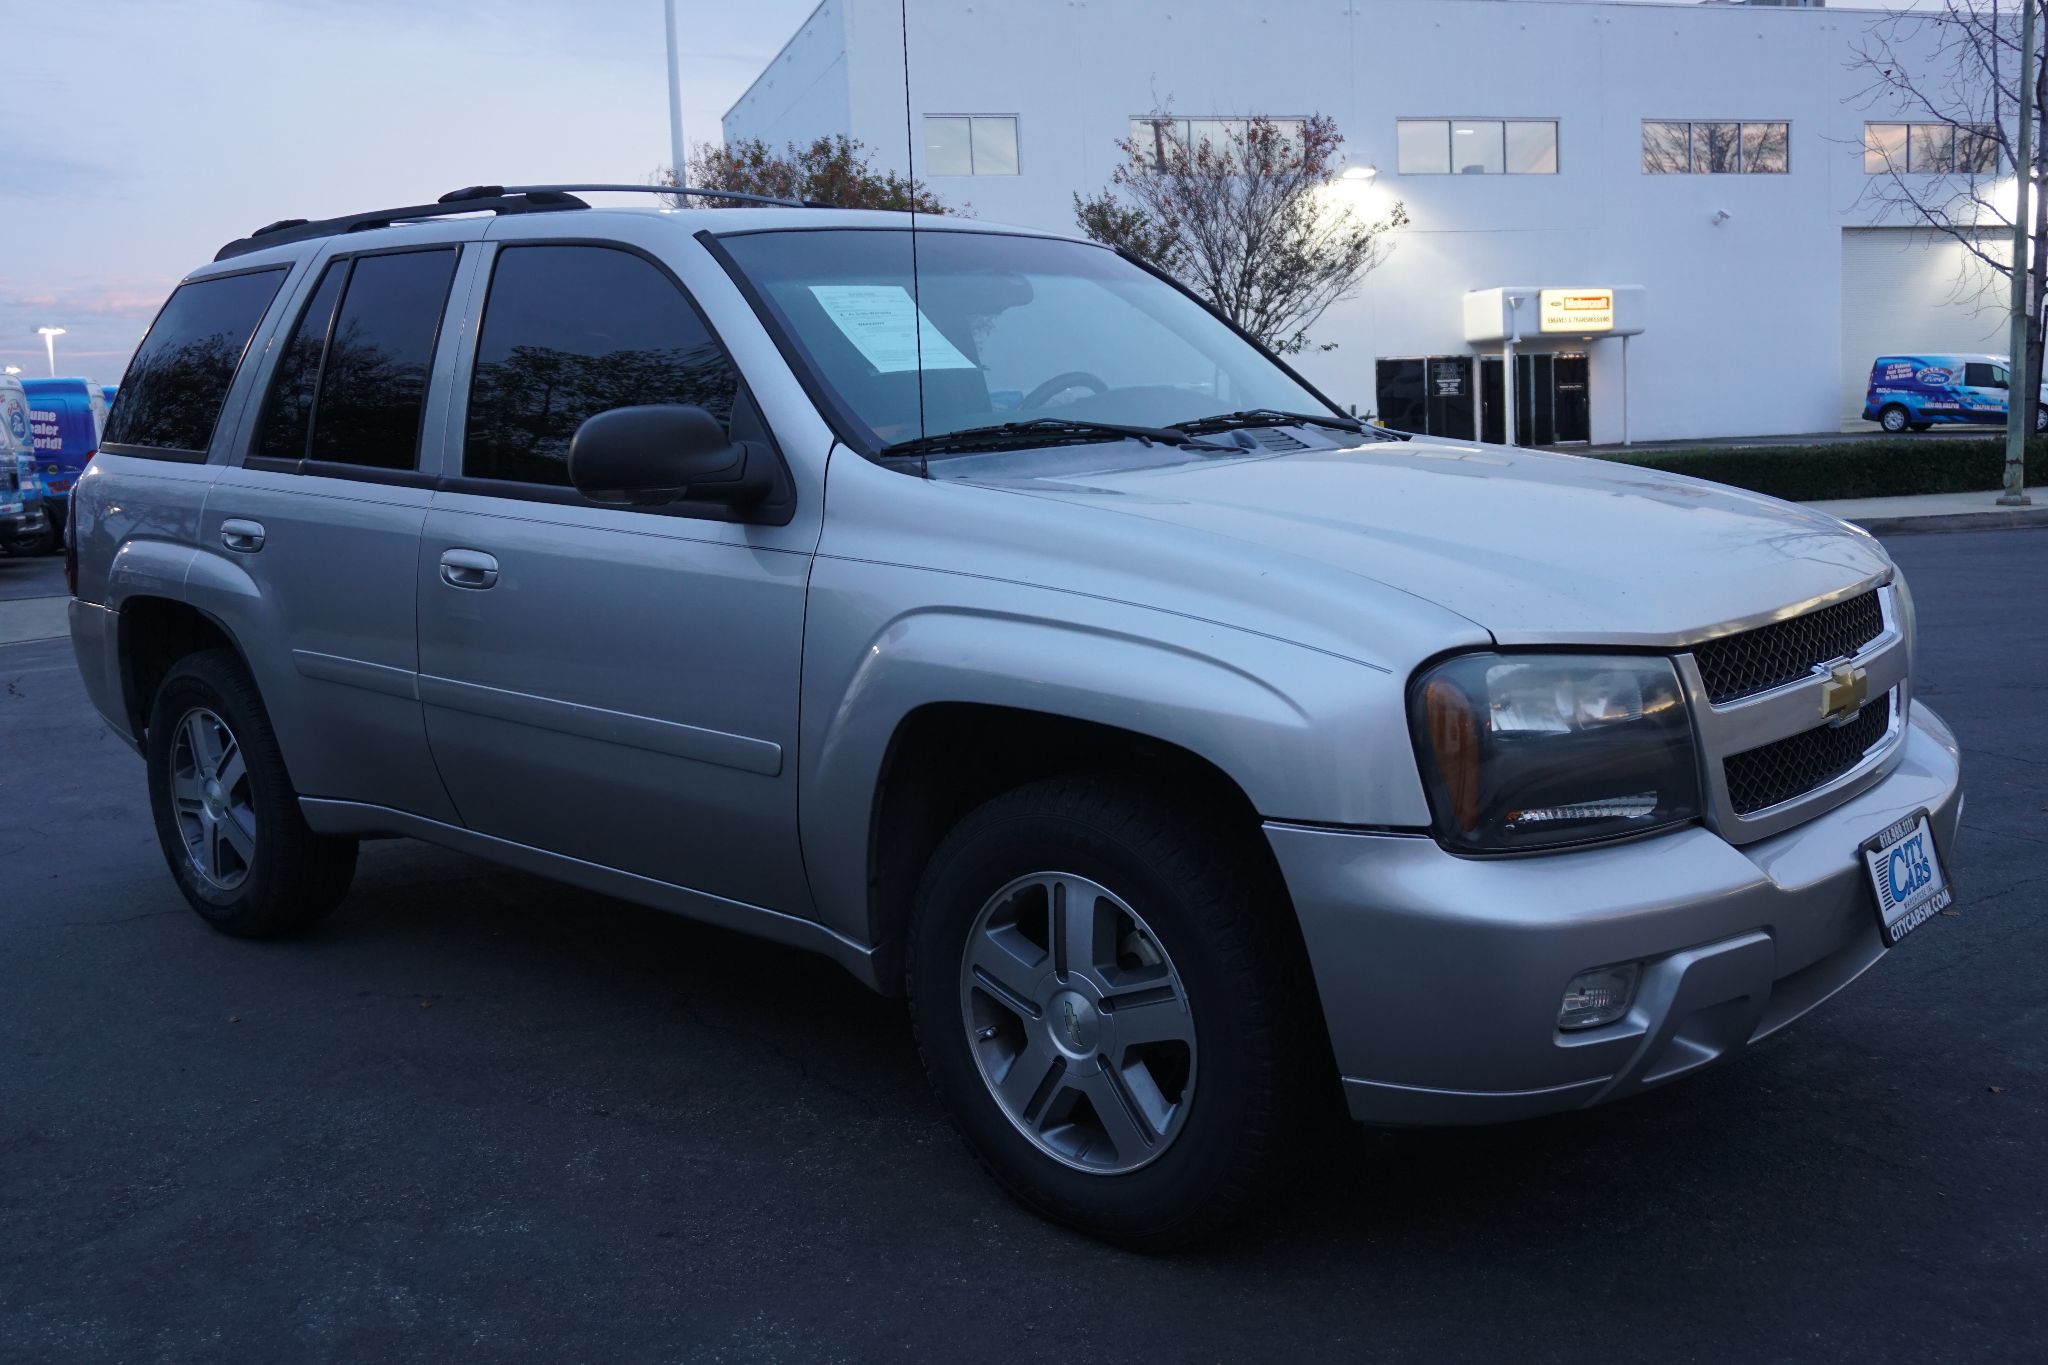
[(107, 391), (67, 416), (1914, 392)]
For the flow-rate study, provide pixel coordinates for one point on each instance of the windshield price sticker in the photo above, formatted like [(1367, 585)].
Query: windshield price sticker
[(877, 319), (1906, 873)]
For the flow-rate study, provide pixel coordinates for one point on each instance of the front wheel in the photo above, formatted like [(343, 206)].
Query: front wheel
[(1112, 1002), (226, 814), (1894, 419)]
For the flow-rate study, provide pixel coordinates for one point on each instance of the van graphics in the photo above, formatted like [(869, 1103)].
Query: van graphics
[(44, 424)]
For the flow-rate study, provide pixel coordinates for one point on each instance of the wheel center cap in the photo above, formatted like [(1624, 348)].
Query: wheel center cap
[(1075, 1023), (216, 800)]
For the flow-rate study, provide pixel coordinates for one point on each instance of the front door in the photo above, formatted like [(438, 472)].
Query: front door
[(617, 685)]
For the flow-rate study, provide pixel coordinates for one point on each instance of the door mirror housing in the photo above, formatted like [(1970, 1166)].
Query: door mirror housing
[(665, 452)]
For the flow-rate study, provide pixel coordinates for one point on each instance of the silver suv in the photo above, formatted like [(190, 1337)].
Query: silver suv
[(973, 606)]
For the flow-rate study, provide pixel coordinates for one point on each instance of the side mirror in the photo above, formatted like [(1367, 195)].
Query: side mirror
[(662, 452)]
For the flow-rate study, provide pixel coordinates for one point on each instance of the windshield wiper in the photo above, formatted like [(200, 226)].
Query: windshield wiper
[(1267, 417), (1044, 431)]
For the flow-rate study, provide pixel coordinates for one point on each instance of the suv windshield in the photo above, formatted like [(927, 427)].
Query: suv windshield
[(1007, 329)]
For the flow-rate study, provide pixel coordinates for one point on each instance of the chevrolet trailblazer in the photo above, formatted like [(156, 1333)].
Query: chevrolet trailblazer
[(975, 607)]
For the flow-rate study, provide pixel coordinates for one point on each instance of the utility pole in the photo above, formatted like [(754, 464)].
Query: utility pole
[(2023, 397), (675, 103)]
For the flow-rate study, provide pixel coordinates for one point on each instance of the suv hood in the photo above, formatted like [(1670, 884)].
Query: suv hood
[(1534, 547)]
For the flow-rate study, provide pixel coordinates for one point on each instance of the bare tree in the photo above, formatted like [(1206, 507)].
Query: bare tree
[(833, 170), (1950, 72), (1240, 210)]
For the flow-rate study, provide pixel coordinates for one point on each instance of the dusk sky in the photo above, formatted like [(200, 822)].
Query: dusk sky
[(136, 136)]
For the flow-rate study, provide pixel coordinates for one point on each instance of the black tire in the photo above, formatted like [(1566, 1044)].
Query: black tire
[(53, 539), (1265, 1086), (294, 877), (1894, 418)]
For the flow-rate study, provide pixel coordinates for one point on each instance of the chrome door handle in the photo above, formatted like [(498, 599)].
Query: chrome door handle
[(468, 569), (240, 535)]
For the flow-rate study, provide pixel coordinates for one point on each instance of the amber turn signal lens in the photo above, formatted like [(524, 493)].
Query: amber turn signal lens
[(1454, 737)]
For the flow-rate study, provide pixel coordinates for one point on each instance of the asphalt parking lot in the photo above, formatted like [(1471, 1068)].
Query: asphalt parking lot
[(483, 1116)]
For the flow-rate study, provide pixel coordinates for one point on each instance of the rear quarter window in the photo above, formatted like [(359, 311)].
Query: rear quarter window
[(172, 395)]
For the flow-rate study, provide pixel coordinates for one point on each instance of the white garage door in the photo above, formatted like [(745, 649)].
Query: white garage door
[(1911, 290)]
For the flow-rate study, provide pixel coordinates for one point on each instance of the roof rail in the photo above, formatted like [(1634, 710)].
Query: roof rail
[(679, 191), (477, 199)]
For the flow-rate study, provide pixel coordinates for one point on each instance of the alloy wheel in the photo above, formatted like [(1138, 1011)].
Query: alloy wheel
[(1078, 1022), (211, 799)]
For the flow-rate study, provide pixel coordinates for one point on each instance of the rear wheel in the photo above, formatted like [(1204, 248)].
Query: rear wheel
[(226, 815), (1112, 1002), (1894, 419)]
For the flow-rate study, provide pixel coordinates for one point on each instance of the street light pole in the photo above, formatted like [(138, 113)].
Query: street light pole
[(2023, 397), (675, 101), (50, 335)]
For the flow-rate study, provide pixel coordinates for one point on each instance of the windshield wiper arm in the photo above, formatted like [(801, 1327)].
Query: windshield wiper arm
[(1267, 417), (1043, 431)]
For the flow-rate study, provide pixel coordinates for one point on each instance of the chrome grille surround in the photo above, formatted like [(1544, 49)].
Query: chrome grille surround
[(1754, 661), (1754, 721)]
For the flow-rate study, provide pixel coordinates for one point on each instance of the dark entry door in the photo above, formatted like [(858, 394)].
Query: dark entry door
[(1574, 401), (1539, 381)]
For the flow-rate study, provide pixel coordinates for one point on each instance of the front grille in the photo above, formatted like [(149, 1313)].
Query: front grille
[(1778, 772), (1737, 666)]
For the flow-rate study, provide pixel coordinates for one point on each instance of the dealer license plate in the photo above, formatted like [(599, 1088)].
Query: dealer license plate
[(1906, 874)]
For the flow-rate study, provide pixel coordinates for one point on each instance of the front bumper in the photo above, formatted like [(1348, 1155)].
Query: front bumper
[(23, 528), (1441, 976)]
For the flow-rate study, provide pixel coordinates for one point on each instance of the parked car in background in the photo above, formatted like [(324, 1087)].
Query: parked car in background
[(1915, 392), (979, 609), (107, 392), (67, 416), (24, 525)]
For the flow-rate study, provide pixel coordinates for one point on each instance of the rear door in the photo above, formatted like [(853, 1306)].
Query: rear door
[(617, 685), (324, 513)]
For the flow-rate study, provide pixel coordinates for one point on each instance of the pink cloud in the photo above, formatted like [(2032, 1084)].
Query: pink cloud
[(129, 298)]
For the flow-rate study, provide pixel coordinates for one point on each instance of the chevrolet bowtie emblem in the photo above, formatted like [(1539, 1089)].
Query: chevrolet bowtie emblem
[(1841, 696)]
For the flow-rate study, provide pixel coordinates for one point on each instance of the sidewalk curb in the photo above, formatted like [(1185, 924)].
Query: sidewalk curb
[(2003, 520)]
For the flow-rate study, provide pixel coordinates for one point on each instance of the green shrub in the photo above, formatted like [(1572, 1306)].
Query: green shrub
[(1877, 468)]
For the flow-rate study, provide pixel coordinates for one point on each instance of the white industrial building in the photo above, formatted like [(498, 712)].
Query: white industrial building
[(1704, 164)]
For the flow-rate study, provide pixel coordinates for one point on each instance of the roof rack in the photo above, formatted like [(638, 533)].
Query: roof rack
[(676, 191), (470, 199)]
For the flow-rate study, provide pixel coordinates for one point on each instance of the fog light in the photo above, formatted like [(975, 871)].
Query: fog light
[(1597, 997)]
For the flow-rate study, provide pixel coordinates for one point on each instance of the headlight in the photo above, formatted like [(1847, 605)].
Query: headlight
[(1525, 751)]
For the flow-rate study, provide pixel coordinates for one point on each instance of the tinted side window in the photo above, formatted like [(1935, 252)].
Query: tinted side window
[(175, 387), (287, 419), (1978, 374), (572, 331), (373, 382)]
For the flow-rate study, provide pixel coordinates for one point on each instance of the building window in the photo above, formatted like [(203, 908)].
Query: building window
[(1716, 147), (1435, 146), (1158, 139), (1930, 149), (970, 144)]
